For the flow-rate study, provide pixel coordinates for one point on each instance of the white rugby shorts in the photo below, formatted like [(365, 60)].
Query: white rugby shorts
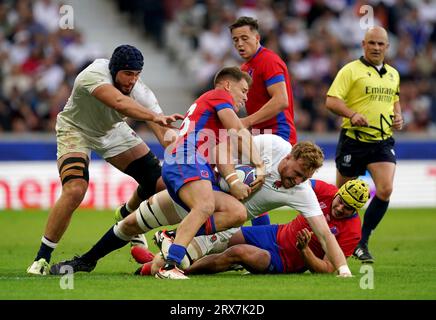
[(117, 140)]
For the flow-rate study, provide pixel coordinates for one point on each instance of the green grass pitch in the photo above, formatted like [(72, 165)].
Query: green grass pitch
[(403, 245)]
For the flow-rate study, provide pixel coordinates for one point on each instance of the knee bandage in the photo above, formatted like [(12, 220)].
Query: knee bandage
[(74, 168), (146, 171), (150, 216)]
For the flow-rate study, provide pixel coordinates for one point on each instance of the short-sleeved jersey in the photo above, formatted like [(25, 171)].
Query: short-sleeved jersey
[(266, 68), (370, 92), (272, 195), (200, 130), (347, 231), (89, 114)]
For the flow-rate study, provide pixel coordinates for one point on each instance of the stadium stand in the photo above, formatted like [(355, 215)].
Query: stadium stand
[(314, 37), (39, 61)]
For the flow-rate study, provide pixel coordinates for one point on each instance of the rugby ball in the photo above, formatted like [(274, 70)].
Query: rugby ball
[(246, 174)]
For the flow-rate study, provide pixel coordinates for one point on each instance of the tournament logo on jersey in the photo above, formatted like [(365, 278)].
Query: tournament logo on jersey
[(391, 76), (334, 231), (277, 184), (250, 72), (213, 238), (204, 173)]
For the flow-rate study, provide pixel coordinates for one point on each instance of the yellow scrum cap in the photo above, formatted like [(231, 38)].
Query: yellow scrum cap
[(355, 193)]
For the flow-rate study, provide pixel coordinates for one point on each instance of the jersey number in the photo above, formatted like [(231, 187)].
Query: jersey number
[(186, 122)]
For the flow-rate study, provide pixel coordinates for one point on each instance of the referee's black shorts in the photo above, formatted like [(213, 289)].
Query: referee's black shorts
[(352, 156)]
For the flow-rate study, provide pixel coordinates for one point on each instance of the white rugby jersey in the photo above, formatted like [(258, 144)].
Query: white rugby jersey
[(302, 198), (89, 114)]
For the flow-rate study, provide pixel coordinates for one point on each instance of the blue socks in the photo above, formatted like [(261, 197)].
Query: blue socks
[(176, 253)]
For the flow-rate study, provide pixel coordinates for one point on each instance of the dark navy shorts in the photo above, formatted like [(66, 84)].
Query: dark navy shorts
[(352, 156)]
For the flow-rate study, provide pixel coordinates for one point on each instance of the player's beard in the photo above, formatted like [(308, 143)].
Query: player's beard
[(123, 90), (127, 92)]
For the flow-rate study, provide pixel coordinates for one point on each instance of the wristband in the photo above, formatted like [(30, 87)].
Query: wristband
[(230, 175), (233, 182), (344, 269)]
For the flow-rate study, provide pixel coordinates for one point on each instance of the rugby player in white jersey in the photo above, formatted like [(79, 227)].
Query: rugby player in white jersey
[(287, 172), (104, 94)]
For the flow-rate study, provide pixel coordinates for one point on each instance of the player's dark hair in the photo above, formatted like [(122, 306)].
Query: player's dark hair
[(232, 73), (245, 21)]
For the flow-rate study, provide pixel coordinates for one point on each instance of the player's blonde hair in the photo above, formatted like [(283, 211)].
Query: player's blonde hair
[(312, 155)]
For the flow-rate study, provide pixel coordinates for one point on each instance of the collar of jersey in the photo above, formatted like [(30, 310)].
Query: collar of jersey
[(257, 52), (382, 70)]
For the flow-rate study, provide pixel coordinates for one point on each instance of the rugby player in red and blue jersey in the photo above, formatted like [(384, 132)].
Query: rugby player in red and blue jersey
[(187, 170), (270, 100), (270, 105), (291, 248)]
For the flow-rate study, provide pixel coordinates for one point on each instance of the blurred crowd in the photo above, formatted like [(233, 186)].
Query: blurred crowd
[(315, 38), (38, 64), (39, 60)]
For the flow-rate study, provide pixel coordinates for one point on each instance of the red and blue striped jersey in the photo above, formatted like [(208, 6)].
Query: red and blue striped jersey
[(266, 68), (200, 130), (347, 231)]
